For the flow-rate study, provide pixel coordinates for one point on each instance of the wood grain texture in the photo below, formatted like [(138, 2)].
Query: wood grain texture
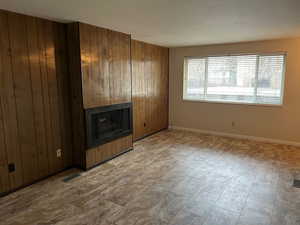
[(107, 151), (4, 178), (23, 94), (120, 72), (8, 103), (55, 162), (105, 66), (164, 87), (37, 95), (150, 77), (78, 117), (86, 66), (34, 99), (138, 89), (63, 85), (149, 88), (101, 75)]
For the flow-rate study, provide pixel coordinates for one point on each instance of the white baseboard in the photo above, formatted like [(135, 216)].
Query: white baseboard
[(239, 136)]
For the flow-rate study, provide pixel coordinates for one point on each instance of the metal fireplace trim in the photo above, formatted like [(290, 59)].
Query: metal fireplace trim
[(91, 142)]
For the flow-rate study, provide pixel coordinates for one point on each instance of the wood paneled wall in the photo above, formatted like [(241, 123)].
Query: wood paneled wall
[(150, 81), (105, 65), (34, 103), (100, 67), (107, 151)]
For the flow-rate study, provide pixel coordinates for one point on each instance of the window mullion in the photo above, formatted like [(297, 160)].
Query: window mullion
[(256, 78), (185, 77), (205, 77)]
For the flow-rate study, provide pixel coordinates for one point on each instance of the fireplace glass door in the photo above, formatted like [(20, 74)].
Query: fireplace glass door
[(108, 123)]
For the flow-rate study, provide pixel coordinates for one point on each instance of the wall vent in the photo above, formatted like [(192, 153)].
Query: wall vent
[(296, 184), (71, 177)]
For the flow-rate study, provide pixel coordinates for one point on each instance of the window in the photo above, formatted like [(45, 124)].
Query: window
[(256, 79)]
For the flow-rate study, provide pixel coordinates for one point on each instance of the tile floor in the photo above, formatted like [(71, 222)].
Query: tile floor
[(171, 178)]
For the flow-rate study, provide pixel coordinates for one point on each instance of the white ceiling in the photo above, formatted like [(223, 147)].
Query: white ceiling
[(175, 22)]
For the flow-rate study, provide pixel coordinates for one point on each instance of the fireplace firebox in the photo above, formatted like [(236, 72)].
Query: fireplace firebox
[(108, 123)]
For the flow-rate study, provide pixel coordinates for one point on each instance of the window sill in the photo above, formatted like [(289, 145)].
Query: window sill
[(234, 103)]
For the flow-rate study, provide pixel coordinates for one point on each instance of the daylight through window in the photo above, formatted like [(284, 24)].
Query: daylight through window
[(256, 79)]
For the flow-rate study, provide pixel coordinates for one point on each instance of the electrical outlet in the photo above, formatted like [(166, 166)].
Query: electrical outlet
[(11, 167), (58, 153)]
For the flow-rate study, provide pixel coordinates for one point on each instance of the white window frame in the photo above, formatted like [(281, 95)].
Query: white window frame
[(185, 72)]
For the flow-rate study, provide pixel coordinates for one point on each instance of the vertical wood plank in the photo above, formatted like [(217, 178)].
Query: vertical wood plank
[(154, 64), (78, 120), (91, 158), (149, 87), (62, 74), (4, 178), (32, 101), (160, 90), (100, 69), (53, 96), (120, 74), (165, 87), (103, 63), (156, 89), (115, 68), (95, 77), (23, 95), (138, 89), (105, 66), (37, 96), (126, 68), (45, 93), (6, 95), (86, 64), (9, 105), (95, 65)]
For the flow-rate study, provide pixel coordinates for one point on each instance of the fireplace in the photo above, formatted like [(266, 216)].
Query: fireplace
[(108, 123)]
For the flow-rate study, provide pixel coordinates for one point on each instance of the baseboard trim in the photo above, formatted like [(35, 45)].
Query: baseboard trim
[(150, 134), (239, 136)]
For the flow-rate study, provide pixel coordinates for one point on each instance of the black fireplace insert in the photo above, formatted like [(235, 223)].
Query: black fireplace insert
[(107, 123)]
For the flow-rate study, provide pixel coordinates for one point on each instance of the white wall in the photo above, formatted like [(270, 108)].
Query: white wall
[(275, 122)]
